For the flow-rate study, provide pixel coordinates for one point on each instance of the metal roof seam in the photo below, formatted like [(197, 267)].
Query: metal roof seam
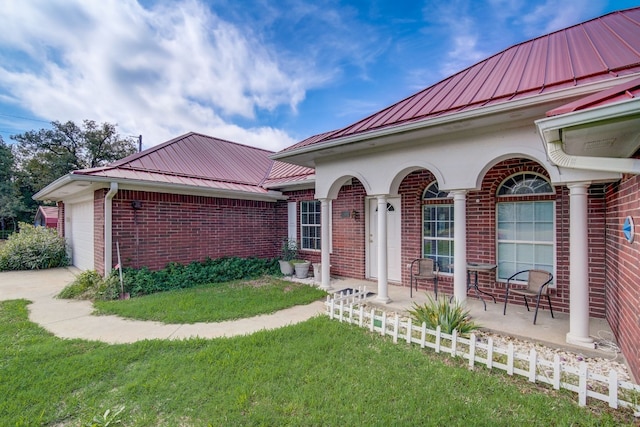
[(623, 41)]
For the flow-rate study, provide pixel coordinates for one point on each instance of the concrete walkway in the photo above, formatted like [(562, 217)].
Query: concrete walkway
[(73, 319)]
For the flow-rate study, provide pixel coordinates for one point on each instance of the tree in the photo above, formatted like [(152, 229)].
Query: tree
[(12, 205), (48, 154)]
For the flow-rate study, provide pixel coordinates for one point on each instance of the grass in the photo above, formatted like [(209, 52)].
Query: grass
[(319, 372), (215, 302)]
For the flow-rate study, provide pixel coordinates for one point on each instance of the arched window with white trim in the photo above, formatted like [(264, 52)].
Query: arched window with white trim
[(437, 227), (525, 224)]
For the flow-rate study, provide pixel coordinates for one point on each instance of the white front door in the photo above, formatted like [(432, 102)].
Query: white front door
[(393, 239)]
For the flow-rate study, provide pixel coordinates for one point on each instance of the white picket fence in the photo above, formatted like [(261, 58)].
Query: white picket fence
[(348, 307)]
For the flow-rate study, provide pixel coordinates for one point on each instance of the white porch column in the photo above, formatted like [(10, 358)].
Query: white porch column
[(325, 261), (383, 292), (579, 266), (460, 245)]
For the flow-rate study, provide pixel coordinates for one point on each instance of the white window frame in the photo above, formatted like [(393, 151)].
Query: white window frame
[(430, 189), (304, 225), (526, 198)]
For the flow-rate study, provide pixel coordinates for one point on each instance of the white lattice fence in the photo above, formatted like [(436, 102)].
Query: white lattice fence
[(555, 373)]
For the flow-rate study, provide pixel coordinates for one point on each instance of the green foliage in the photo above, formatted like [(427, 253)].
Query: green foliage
[(12, 204), (179, 276), (89, 285), (289, 250), (33, 248), (447, 315)]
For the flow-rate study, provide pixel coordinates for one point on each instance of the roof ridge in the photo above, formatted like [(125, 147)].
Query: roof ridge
[(175, 140)]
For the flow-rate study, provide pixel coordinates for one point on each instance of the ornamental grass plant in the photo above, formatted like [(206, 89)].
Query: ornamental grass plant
[(448, 315)]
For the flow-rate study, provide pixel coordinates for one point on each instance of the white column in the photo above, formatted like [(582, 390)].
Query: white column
[(383, 292), (578, 266), (325, 261), (460, 245)]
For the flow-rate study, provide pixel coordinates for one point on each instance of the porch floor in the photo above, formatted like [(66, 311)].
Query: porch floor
[(517, 323)]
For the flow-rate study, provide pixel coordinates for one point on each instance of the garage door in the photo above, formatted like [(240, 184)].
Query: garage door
[(79, 228)]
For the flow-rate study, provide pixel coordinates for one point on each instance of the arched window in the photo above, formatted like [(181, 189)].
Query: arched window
[(437, 227), (525, 227), (525, 183)]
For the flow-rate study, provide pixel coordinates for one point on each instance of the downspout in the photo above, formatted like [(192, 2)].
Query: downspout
[(108, 238), (604, 164)]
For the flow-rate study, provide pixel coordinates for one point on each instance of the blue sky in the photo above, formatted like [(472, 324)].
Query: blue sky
[(259, 72)]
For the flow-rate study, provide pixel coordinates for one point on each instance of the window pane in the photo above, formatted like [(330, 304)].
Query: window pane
[(544, 211), (525, 231), (544, 232), (507, 231), (506, 212), (544, 254), (506, 252), (524, 211), (524, 253)]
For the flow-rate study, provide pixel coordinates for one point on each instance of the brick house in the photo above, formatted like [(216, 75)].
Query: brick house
[(530, 158)]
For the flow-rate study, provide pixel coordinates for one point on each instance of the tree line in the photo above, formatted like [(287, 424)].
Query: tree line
[(39, 157)]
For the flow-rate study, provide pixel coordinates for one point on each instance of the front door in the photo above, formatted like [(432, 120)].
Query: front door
[(393, 239)]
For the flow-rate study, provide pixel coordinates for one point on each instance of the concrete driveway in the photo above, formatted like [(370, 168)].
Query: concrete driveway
[(73, 319)]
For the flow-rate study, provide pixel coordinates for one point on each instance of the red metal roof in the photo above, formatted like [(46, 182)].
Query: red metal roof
[(599, 49), (621, 92), (202, 161)]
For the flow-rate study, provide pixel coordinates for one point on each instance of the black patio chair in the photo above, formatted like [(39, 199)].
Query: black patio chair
[(424, 269), (537, 286)]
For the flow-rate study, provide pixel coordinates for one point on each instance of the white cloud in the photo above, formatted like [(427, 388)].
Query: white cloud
[(158, 72), (461, 32), (549, 17)]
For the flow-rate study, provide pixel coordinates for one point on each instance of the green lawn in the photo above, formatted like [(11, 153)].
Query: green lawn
[(215, 302), (319, 372)]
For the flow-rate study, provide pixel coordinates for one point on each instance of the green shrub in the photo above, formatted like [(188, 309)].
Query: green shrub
[(449, 315), (33, 248), (89, 285), (179, 276)]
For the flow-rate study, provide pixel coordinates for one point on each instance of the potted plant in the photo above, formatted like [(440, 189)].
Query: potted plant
[(302, 268), (289, 253)]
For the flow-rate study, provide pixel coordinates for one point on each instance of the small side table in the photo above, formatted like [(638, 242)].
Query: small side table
[(474, 268)]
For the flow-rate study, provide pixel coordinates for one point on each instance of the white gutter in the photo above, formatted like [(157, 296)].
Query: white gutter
[(551, 130), (108, 228), (603, 164)]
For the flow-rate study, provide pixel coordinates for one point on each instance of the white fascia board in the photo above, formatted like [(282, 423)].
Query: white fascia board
[(457, 117), (294, 185)]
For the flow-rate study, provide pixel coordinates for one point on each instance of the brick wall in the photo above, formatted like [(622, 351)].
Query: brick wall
[(622, 273), (348, 257), (98, 230), (181, 228), (60, 219)]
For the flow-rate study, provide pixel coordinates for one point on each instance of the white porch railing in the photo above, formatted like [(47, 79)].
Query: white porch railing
[(348, 308)]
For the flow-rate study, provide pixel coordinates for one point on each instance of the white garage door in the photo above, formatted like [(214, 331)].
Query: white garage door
[(79, 230)]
